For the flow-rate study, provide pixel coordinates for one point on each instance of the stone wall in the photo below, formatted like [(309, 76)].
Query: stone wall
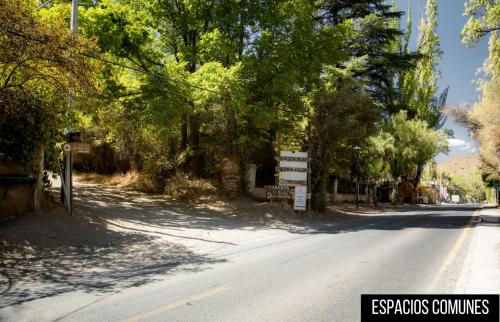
[(20, 190), (16, 199)]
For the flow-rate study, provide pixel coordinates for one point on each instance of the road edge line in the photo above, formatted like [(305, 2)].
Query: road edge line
[(450, 258), (174, 305)]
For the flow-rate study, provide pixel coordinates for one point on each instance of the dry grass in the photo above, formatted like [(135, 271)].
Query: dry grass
[(178, 187), (131, 180), (181, 187)]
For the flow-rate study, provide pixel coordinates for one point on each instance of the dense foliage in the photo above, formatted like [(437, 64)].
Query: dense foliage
[(40, 62), (182, 83), (483, 119)]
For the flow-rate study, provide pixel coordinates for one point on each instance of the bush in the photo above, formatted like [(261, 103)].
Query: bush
[(181, 187), (158, 169)]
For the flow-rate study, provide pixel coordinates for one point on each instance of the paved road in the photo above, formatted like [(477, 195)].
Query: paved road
[(298, 277)]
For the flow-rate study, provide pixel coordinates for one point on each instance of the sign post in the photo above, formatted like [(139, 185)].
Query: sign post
[(294, 171), (67, 178), (300, 199)]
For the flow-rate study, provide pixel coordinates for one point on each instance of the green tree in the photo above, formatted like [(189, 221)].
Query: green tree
[(483, 119), (343, 119), (250, 78), (471, 187), (377, 39), (410, 152), (368, 69), (484, 19), (40, 61), (486, 114), (418, 85)]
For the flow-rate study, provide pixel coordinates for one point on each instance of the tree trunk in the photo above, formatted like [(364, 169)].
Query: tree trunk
[(418, 175), (374, 194), (196, 160), (230, 132), (335, 188), (184, 131), (395, 193), (241, 40), (367, 192), (498, 196), (319, 198)]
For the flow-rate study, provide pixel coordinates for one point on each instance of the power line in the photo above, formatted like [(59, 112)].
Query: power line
[(92, 56), (149, 73)]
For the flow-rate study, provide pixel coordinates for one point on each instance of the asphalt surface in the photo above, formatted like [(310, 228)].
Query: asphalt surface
[(303, 276)]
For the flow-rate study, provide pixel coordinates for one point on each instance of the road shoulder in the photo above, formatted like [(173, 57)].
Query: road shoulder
[(481, 270)]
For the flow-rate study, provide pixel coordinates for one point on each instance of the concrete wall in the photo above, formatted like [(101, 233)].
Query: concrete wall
[(258, 194), (350, 197), (347, 197)]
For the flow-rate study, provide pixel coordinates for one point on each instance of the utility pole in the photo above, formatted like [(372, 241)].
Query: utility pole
[(68, 155), (357, 184), (74, 16), (309, 166)]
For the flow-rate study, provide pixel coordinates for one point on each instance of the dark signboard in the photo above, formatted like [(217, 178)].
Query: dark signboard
[(279, 192)]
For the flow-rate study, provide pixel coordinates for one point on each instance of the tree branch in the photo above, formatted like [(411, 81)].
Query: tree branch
[(483, 32), (7, 80)]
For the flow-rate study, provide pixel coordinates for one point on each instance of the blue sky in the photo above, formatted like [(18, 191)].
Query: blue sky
[(458, 65)]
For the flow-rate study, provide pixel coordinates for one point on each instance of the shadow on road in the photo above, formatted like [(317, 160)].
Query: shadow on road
[(54, 254), (156, 212), (46, 255)]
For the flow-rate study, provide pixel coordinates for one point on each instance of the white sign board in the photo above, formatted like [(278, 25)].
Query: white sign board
[(299, 202), (455, 198), (294, 176), (293, 154), (293, 168), (293, 164)]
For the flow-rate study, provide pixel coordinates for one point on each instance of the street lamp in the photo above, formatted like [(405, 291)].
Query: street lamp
[(356, 149)]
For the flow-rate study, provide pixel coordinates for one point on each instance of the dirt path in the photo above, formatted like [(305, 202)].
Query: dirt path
[(120, 238)]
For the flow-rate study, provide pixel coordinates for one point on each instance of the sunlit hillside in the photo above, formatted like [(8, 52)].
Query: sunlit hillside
[(461, 166)]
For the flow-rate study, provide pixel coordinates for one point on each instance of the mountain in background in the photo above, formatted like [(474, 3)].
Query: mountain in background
[(462, 165)]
